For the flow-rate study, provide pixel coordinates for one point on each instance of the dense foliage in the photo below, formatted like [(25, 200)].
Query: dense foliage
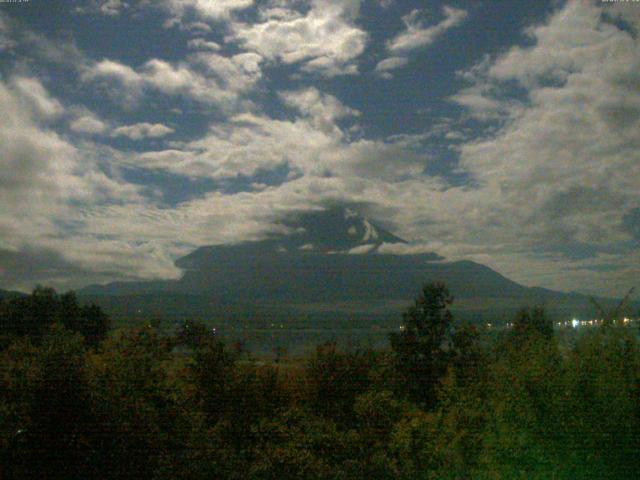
[(444, 401), (33, 315)]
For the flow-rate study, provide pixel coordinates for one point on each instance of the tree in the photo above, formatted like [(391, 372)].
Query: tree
[(423, 347), (532, 321), (48, 439), (609, 317), (194, 334), (29, 315), (525, 407), (136, 407), (33, 315), (334, 380), (212, 371), (468, 355)]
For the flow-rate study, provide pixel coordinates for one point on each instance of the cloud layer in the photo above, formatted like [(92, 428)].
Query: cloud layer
[(545, 135)]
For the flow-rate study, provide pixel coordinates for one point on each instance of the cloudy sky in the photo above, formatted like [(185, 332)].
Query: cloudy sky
[(133, 131)]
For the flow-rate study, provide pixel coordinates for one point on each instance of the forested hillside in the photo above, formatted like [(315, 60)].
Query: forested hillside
[(443, 400)]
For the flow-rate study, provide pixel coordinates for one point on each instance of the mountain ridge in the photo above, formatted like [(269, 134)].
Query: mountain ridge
[(329, 257)]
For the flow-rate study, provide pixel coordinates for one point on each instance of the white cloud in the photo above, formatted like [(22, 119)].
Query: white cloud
[(282, 12), (409, 248), (568, 43), (483, 102), (237, 73), (361, 249), (198, 27), (111, 69), (312, 145), (110, 8), (31, 90), (552, 179), (88, 123), (326, 37), (322, 108), (168, 78), (208, 9), (391, 63), (25, 49), (119, 81), (46, 183), (139, 131), (84, 121), (560, 174), (206, 77), (28, 151), (201, 44), (626, 12), (417, 35)]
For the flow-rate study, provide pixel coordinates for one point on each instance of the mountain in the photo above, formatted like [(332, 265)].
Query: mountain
[(9, 294), (333, 231), (333, 263)]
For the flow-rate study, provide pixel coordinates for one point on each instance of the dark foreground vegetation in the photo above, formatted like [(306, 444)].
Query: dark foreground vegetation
[(443, 401)]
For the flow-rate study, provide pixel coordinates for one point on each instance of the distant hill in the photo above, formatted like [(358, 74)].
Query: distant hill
[(333, 263), (9, 293)]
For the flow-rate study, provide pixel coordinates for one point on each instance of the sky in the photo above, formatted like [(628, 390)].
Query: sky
[(504, 132)]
